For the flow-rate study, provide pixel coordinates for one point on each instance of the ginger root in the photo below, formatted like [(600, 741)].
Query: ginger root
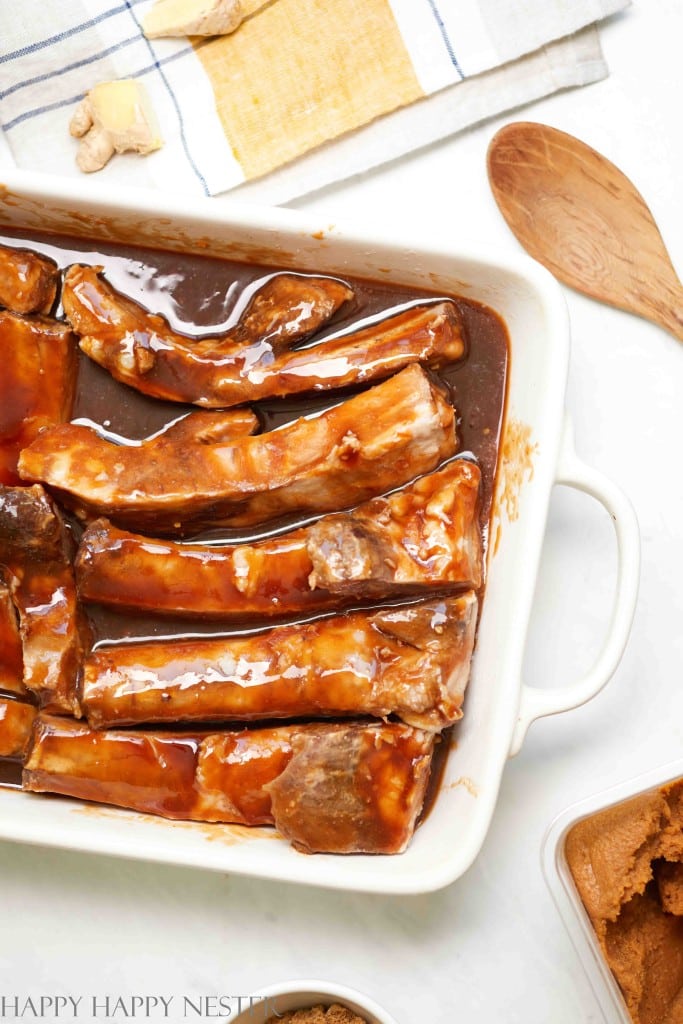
[(192, 18), (114, 117)]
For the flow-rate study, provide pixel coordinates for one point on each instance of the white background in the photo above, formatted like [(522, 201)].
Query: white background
[(491, 948)]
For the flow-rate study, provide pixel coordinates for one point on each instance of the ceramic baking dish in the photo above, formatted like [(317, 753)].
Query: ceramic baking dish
[(566, 895), (536, 451)]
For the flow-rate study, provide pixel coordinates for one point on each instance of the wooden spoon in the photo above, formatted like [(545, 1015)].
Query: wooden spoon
[(579, 216)]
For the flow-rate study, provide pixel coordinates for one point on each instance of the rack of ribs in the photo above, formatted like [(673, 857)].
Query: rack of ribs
[(36, 555), (255, 359), (423, 537), (328, 788), (28, 281), (412, 661), (342, 631), (16, 724), (11, 654), (182, 480), (36, 383)]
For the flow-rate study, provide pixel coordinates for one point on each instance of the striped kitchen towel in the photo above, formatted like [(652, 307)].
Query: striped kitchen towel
[(304, 93)]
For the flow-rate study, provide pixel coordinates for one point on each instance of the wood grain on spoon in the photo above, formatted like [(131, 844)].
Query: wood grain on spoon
[(579, 216)]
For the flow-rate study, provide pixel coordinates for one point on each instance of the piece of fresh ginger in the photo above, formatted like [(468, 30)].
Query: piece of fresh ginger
[(114, 117), (192, 18)]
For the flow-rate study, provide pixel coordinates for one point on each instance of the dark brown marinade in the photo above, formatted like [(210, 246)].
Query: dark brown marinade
[(197, 293), (436, 774), (10, 774)]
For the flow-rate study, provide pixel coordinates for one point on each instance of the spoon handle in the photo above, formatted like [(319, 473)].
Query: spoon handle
[(666, 308)]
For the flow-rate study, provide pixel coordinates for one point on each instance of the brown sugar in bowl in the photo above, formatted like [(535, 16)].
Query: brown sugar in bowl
[(312, 1002), (334, 1014)]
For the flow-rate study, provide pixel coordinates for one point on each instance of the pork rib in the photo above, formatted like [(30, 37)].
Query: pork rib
[(37, 383), (328, 788), (253, 361), (11, 656), (35, 551), (16, 723), (423, 537), (178, 483), (28, 282), (411, 661)]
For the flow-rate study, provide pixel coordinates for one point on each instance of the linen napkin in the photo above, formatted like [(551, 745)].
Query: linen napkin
[(304, 93)]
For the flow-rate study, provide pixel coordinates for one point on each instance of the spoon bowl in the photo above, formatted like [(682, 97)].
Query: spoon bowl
[(578, 215)]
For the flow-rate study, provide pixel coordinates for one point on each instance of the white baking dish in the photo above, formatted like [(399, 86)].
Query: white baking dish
[(566, 895), (538, 453)]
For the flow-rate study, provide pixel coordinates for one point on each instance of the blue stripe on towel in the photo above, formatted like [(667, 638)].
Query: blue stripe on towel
[(69, 67), (444, 35), (74, 30), (40, 110), (164, 79), (36, 111)]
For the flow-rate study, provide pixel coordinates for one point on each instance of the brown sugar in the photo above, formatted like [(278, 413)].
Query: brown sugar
[(320, 1014), (627, 863)]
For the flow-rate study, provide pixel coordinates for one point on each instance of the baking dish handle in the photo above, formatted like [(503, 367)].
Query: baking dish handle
[(535, 702)]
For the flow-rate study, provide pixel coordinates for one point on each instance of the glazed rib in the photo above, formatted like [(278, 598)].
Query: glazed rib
[(37, 382), (425, 536), (286, 309), (28, 282), (337, 788), (11, 657), (16, 724), (35, 551), (369, 444), (411, 661), (253, 361)]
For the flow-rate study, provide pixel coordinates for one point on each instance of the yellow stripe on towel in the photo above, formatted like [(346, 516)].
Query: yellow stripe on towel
[(318, 67)]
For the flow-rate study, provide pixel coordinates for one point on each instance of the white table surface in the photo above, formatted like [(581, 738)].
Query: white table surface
[(491, 948)]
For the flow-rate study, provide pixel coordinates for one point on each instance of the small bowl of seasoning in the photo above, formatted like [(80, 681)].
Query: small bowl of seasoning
[(312, 1002)]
